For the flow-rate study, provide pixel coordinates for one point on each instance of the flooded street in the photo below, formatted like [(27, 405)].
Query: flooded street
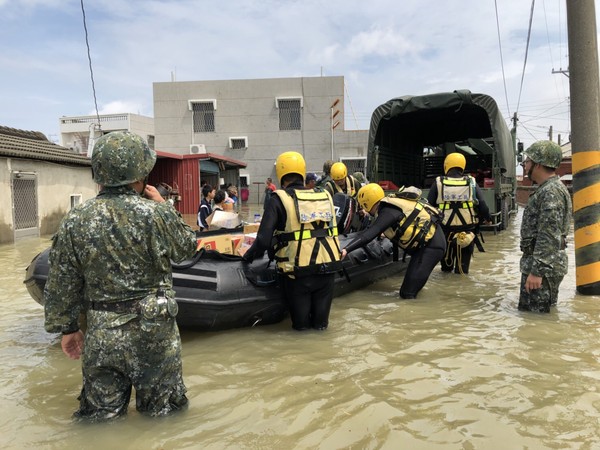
[(458, 368)]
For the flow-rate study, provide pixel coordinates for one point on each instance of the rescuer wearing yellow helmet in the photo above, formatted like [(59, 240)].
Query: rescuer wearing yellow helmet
[(299, 230), (341, 181), (461, 201), (410, 223)]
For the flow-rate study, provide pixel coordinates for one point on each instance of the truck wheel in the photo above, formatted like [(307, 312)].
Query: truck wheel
[(505, 213)]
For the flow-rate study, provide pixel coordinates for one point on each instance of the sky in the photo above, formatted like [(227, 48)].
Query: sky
[(383, 48)]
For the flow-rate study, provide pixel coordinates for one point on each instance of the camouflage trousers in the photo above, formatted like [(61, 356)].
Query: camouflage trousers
[(539, 300), (117, 357)]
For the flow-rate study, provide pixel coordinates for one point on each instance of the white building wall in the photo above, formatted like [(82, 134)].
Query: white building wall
[(248, 108), (55, 185), (75, 130)]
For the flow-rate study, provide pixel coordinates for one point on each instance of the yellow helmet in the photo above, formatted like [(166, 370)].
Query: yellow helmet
[(338, 171), (454, 160), (369, 194), (290, 162)]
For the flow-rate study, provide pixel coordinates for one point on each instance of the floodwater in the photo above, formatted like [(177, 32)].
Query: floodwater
[(458, 368)]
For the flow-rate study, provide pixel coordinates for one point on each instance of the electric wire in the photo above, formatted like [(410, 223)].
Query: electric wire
[(501, 57), (526, 52), (90, 63), (350, 102)]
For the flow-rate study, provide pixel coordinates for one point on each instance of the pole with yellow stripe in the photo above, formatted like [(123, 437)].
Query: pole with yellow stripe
[(585, 141)]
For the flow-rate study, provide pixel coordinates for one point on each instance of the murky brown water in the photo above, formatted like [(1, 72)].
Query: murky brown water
[(458, 368)]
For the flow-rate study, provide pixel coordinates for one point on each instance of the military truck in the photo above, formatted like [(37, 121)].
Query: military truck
[(410, 136)]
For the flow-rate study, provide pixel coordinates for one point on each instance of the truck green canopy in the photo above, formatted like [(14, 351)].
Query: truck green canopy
[(409, 124)]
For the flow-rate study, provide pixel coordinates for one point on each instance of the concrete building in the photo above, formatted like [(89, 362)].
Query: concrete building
[(39, 182), (78, 132), (255, 120)]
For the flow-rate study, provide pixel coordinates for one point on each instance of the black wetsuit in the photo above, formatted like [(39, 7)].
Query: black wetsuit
[(455, 258), (422, 261), (308, 297)]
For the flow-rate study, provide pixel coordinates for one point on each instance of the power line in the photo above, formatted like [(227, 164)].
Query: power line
[(90, 62), (526, 52), (501, 57)]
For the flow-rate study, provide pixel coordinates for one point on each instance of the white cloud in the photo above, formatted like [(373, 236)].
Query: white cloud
[(384, 48)]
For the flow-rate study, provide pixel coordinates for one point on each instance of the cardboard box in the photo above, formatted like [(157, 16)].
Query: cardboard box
[(222, 243), (251, 227), (223, 219), (245, 243), (236, 241)]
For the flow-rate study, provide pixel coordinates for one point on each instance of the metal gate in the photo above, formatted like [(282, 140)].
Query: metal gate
[(355, 164), (25, 204)]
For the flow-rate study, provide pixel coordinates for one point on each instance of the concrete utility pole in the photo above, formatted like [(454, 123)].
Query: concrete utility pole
[(585, 125)]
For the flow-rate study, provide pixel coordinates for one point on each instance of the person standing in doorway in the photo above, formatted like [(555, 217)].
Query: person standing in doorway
[(111, 259), (544, 229)]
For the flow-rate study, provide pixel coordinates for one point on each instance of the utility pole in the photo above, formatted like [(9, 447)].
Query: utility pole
[(550, 133), (585, 125)]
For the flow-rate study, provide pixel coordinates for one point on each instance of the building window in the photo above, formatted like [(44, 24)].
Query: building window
[(75, 200), (290, 109), (237, 143), (203, 114)]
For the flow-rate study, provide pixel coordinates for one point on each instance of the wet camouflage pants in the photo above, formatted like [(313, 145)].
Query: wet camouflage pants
[(115, 359), (539, 300)]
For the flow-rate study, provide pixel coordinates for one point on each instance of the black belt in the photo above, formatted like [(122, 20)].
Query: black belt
[(127, 306)]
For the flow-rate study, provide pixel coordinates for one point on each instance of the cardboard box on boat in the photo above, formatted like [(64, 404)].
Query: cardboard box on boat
[(246, 243), (221, 243), (251, 227), (236, 241)]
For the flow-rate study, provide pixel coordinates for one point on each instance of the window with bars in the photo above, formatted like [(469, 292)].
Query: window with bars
[(203, 113), (237, 143), (290, 117)]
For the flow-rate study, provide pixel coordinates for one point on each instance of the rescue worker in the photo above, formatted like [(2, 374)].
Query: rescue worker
[(410, 223), (544, 229), (341, 181), (111, 259), (360, 178), (462, 203), (299, 231), (326, 173)]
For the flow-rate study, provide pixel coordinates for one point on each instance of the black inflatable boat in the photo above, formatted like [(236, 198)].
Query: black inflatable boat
[(216, 291)]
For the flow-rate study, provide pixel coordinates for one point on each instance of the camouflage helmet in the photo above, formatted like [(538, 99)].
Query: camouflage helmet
[(546, 153), (359, 176), (327, 166), (120, 158)]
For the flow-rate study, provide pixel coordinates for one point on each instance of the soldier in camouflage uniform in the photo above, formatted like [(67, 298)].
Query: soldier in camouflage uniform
[(326, 173), (111, 259), (546, 222)]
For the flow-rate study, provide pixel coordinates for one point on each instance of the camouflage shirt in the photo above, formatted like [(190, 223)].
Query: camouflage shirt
[(546, 223), (115, 247)]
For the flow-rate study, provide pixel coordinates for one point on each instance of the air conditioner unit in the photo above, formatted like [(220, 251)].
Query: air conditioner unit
[(197, 149)]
